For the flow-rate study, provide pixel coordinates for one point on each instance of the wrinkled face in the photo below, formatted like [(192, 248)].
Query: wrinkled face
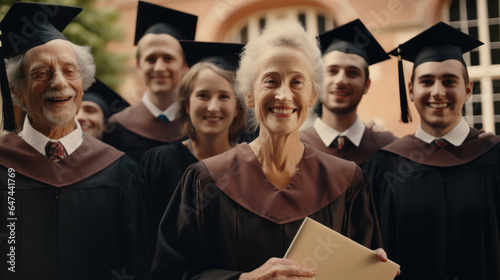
[(345, 81), (55, 101), (212, 105), (91, 119), (161, 64), (439, 92), (283, 89)]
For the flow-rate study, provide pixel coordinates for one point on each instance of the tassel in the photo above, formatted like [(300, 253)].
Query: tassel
[(9, 120), (405, 112)]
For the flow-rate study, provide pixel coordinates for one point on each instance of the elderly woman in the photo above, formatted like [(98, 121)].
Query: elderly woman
[(233, 216)]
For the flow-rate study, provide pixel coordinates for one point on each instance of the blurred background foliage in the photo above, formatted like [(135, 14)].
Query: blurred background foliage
[(94, 27)]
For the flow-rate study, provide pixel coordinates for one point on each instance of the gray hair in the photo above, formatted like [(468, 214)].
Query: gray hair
[(86, 61), (16, 76), (290, 35)]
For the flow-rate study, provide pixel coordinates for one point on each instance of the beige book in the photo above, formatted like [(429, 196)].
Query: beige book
[(335, 256)]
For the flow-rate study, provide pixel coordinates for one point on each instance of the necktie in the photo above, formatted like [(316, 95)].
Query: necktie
[(54, 151), (163, 118), (341, 142), (441, 142)]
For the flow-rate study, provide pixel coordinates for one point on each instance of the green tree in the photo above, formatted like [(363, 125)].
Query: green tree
[(94, 27)]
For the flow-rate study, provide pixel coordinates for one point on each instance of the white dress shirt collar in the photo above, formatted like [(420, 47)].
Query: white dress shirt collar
[(327, 134), (456, 136), (37, 140), (170, 112)]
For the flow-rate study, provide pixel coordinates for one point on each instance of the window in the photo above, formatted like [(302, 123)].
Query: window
[(314, 20), (481, 19)]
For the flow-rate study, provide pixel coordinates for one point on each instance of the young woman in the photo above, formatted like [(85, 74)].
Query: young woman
[(212, 117)]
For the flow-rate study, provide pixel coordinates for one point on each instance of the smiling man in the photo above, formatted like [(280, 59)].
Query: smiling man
[(98, 103), (348, 51), (437, 191), (76, 207), (161, 65)]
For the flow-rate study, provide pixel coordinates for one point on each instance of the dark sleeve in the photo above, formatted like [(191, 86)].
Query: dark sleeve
[(382, 180), (361, 224), (154, 170), (112, 135), (188, 235), (373, 174), (163, 167), (136, 228)]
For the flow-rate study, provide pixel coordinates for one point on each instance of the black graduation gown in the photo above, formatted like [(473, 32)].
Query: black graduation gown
[(164, 167), (226, 218), (83, 218), (370, 143), (135, 130), (439, 208)]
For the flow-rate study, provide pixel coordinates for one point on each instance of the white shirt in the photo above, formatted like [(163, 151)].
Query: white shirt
[(456, 136), (327, 134), (35, 139), (170, 112)]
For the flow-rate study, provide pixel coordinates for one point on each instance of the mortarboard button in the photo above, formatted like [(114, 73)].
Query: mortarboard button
[(437, 43), (224, 55), (25, 26), (156, 19), (109, 101)]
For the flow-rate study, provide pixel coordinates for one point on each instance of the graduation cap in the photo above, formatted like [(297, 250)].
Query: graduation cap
[(25, 26), (109, 101), (354, 38), (437, 43), (224, 55), (154, 19)]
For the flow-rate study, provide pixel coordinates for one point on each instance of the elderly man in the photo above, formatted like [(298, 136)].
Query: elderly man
[(161, 65), (74, 207)]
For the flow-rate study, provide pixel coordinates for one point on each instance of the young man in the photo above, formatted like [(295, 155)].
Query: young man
[(161, 65), (437, 191), (98, 104), (74, 207), (348, 51)]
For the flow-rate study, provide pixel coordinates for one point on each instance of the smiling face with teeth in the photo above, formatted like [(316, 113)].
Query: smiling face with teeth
[(51, 105), (439, 91), (283, 89), (91, 119), (212, 105), (160, 63), (345, 82)]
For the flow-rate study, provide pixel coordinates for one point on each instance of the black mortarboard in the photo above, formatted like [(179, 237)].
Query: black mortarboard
[(156, 19), (354, 38), (437, 43), (25, 26), (109, 101), (224, 55)]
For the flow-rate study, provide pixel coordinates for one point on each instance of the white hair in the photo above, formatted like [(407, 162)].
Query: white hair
[(290, 35)]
